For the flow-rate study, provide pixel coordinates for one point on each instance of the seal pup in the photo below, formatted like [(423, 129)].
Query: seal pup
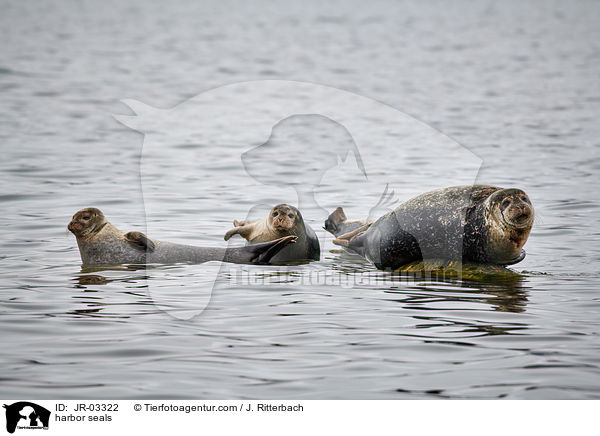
[(101, 243), (283, 220), (479, 223)]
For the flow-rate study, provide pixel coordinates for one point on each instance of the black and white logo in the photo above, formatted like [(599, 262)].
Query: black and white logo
[(26, 415)]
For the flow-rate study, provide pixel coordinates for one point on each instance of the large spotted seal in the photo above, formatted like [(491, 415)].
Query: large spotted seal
[(101, 243), (479, 223), (283, 220)]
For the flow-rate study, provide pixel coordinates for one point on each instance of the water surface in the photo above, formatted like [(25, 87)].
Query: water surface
[(516, 84)]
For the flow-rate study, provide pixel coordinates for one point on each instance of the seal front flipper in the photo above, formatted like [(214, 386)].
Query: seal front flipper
[(230, 233), (140, 241), (244, 231)]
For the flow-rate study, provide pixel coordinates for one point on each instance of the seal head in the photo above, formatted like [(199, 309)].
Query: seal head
[(509, 215), (283, 218), (87, 222)]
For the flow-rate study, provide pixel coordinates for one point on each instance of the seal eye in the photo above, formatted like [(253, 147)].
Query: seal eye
[(291, 215), (275, 213), (87, 218), (505, 204), (525, 199)]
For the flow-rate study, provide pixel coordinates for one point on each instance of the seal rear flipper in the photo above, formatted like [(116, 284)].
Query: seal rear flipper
[(333, 221), (351, 236), (140, 241), (263, 253), (355, 243), (341, 242)]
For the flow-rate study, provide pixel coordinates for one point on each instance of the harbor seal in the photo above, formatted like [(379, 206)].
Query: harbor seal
[(283, 220), (101, 243), (479, 223)]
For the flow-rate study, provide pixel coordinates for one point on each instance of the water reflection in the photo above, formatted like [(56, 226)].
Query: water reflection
[(91, 279), (505, 295), (503, 291), (95, 313), (87, 276), (99, 299)]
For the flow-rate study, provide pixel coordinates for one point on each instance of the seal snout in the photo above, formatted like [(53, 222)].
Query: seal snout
[(75, 226), (516, 208), (519, 215), (523, 217)]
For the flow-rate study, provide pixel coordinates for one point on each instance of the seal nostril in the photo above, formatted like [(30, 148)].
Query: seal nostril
[(523, 216)]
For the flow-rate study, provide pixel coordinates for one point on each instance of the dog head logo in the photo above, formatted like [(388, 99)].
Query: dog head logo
[(26, 415), (214, 156)]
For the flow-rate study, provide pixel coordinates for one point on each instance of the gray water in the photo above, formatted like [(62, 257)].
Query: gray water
[(515, 83)]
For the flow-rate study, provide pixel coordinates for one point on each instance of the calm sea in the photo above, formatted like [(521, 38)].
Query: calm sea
[(513, 85)]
